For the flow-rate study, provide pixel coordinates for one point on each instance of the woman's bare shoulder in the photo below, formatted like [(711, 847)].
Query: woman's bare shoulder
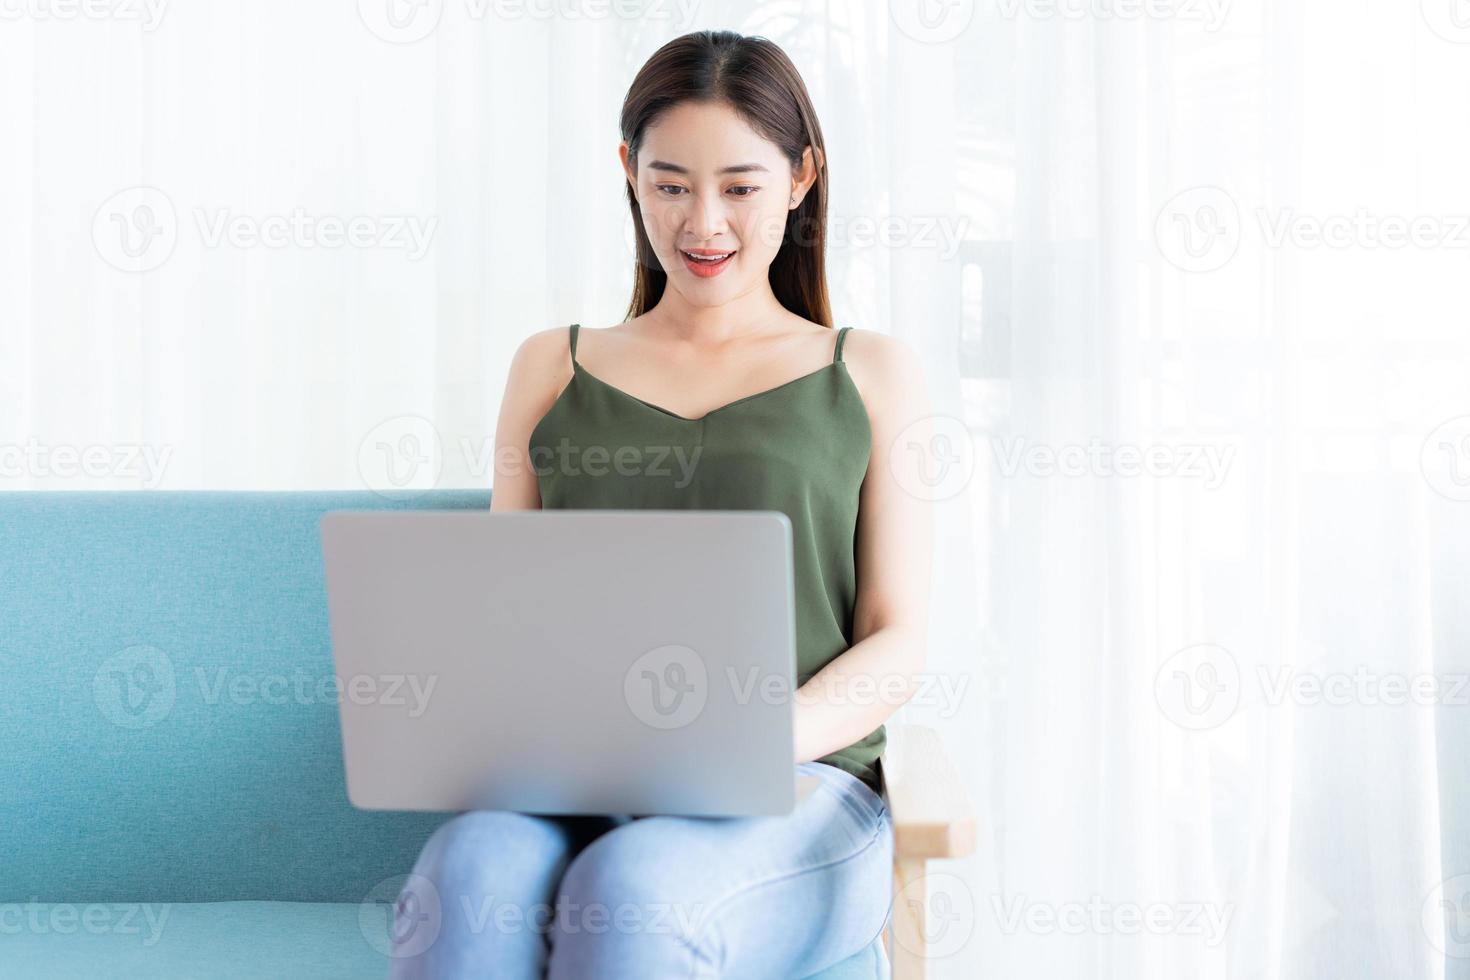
[(544, 344), (887, 370), (539, 369)]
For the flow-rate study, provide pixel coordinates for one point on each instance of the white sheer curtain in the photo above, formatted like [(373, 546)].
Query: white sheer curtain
[(254, 339), (1206, 669), (273, 245)]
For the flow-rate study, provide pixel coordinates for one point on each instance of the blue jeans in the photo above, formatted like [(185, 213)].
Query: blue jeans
[(513, 896)]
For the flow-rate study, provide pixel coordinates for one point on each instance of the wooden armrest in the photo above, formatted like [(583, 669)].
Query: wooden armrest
[(932, 815)]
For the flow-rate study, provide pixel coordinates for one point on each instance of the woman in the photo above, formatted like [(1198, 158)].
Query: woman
[(728, 357)]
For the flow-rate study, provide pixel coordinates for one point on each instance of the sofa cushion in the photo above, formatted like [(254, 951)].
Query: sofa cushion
[(229, 941), (170, 715)]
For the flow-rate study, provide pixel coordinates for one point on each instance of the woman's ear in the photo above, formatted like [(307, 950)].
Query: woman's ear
[(806, 176), (628, 168)]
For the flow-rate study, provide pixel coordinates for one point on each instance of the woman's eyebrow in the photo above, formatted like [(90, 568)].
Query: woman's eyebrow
[(739, 168)]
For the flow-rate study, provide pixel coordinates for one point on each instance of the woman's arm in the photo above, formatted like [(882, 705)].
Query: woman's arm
[(855, 693), (541, 367)]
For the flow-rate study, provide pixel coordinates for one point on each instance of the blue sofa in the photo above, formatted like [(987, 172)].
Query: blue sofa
[(174, 803)]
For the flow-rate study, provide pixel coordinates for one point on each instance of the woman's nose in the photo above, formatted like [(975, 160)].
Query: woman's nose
[(707, 216)]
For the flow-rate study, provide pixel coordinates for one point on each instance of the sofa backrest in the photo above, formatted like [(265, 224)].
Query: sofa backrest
[(168, 712)]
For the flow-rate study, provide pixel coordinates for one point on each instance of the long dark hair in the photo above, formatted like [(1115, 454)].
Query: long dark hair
[(756, 79)]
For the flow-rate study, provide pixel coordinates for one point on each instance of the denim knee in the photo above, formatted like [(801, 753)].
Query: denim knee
[(487, 853), (623, 911), (482, 893)]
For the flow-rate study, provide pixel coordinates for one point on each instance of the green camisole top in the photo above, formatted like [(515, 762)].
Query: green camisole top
[(801, 448)]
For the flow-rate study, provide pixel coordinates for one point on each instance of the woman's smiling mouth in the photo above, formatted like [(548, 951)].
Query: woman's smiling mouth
[(706, 262)]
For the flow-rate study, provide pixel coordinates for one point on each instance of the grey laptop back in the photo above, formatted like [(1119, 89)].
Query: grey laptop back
[(564, 662)]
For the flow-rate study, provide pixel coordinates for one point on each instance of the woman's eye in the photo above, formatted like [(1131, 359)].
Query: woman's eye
[(674, 190)]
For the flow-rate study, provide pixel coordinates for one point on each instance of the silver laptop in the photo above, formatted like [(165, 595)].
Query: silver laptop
[(565, 662)]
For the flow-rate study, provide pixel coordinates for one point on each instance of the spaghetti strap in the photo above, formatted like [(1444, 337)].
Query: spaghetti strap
[(841, 336), (573, 343)]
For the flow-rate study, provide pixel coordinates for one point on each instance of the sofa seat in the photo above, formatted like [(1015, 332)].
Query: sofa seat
[(228, 941), (173, 739)]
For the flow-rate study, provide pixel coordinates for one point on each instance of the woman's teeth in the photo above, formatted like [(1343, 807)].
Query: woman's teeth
[(709, 258)]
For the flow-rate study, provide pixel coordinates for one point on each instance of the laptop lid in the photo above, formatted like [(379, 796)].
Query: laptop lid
[(564, 662)]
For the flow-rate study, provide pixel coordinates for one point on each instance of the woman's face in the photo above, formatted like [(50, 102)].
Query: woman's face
[(714, 196)]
